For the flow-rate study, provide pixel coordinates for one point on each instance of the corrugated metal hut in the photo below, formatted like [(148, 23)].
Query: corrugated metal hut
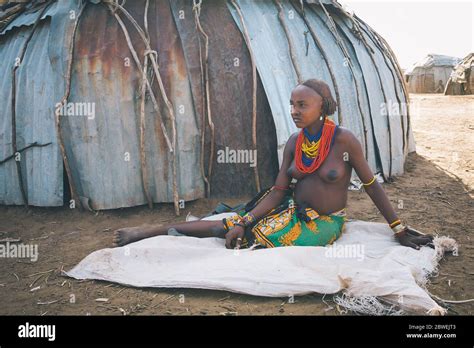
[(124, 103), (430, 74), (461, 80)]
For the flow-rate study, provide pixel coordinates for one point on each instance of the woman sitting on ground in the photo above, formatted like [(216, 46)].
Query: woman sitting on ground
[(312, 213)]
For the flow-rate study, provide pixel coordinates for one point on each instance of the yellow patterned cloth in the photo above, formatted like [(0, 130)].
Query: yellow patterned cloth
[(292, 227)]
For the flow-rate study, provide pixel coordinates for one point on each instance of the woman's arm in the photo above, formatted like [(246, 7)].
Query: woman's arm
[(276, 195), (273, 199), (375, 190), (406, 237)]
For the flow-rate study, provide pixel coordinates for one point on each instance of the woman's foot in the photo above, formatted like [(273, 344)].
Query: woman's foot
[(124, 236)]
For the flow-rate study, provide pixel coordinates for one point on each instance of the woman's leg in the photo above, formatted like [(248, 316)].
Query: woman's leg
[(198, 228)]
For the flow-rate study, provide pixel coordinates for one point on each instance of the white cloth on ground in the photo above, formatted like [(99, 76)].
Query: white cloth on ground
[(365, 261)]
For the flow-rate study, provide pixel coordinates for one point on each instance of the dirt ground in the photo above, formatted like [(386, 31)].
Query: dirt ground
[(436, 190)]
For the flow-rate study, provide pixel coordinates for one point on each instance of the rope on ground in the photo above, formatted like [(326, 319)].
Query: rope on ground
[(254, 89), (63, 102), (13, 105), (452, 301), (205, 79), (153, 58)]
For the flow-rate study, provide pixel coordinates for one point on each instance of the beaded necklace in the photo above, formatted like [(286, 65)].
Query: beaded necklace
[(312, 150)]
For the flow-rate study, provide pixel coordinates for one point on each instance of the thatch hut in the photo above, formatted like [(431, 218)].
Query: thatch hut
[(430, 74), (461, 80), (118, 106)]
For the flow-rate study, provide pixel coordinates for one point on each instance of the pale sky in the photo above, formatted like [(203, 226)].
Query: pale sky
[(415, 28)]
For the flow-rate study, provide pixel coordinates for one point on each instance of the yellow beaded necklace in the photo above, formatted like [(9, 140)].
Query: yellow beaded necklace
[(310, 149)]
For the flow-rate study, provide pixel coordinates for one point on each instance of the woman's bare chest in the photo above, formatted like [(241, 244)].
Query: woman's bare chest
[(334, 168)]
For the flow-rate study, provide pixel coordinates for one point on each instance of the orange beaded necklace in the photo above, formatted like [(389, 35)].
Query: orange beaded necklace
[(329, 127)]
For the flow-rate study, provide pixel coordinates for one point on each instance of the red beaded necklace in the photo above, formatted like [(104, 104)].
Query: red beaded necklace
[(329, 128)]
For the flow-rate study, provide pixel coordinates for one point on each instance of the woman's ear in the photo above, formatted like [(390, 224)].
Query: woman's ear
[(329, 106), (325, 108)]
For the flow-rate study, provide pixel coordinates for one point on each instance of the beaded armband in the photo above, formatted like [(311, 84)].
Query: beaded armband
[(247, 219), (370, 182)]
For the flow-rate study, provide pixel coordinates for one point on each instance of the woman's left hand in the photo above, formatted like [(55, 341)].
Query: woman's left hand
[(413, 239), (233, 238)]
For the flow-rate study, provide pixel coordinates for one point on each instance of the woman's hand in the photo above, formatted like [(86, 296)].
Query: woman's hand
[(234, 237), (413, 239)]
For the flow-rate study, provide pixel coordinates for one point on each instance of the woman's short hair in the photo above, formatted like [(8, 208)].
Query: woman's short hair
[(321, 87)]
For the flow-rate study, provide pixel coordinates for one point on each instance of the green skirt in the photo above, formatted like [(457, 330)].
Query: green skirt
[(292, 227)]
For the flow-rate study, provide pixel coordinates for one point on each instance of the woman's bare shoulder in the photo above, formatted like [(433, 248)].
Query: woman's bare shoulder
[(293, 137), (345, 135), (291, 143)]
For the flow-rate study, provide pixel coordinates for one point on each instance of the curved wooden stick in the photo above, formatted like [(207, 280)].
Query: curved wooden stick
[(72, 186)]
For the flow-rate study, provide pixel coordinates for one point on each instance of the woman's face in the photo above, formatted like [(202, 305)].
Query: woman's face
[(305, 105)]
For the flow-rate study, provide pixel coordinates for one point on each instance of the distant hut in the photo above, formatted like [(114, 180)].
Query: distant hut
[(123, 106), (461, 80), (430, 74)]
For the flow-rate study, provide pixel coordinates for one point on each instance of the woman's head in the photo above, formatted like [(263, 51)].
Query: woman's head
[(311, 101)]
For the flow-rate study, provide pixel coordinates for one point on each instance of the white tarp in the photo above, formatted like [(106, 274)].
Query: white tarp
[(364, 262)]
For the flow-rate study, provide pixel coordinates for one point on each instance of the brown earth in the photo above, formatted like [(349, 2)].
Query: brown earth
[(436, 193)]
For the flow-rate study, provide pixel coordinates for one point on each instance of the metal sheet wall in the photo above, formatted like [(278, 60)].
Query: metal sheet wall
[(35, 94), (104, 150)]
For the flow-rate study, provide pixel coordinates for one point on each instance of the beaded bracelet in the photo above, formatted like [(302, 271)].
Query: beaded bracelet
[(395, 223), (399, 228), (248, 219)]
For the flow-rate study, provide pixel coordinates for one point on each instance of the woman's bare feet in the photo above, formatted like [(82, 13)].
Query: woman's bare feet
[(124, 236)]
